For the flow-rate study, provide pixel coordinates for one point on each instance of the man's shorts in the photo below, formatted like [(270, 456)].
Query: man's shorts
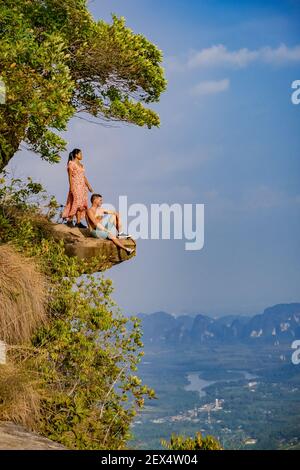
[(107, 223)]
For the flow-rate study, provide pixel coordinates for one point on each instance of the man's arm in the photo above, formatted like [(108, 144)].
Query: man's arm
[(94, 220), (107, 211)]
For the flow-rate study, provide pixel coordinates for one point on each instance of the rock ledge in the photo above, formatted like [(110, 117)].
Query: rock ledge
[(15, 437), (79, 243)]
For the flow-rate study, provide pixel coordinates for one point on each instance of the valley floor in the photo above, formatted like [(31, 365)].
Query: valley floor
[(247, 397)]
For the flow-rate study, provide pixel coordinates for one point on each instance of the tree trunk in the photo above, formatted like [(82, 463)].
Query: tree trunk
[(12, 146)]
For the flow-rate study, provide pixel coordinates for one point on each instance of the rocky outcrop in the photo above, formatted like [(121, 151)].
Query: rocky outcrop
[(15, 437), (79, 243)]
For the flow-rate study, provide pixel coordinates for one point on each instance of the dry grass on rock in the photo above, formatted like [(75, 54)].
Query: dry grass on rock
[(19, 397), (22, 297)]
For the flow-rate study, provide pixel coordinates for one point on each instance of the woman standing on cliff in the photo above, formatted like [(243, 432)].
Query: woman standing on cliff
[(77, 202)]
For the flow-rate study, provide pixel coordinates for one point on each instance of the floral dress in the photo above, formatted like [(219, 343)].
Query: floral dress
[(78, 198)]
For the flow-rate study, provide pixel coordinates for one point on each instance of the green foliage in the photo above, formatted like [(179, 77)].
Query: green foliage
[(198, 442), (56, 60), (85, 359)]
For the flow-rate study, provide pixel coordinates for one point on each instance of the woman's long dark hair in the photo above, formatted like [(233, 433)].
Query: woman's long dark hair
[(73, 154)]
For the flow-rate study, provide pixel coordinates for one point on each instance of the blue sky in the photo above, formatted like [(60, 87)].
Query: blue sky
[(229, 138)]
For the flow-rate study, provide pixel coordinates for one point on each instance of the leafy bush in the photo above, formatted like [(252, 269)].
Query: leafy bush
[(83, 360), (198, 442)]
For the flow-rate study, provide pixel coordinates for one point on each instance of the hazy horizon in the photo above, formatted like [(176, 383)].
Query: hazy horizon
[(193, 314)]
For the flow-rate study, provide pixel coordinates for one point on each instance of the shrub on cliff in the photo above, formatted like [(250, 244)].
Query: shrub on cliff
[(82, 362), (198, 442)]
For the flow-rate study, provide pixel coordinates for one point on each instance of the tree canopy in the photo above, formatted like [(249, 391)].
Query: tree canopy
[(56, 61)]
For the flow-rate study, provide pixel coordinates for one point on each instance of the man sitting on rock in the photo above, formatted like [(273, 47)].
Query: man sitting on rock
[(101, 226)]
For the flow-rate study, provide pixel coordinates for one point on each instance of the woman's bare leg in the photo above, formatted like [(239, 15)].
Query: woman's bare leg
[(79, 216)]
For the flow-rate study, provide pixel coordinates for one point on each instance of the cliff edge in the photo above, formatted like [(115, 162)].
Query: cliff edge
[(16, 437), (79, 243)]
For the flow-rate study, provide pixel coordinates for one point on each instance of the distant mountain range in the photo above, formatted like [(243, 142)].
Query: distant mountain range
[(276, 325)]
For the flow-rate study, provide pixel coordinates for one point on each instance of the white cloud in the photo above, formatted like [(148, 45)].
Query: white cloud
[(265, 197), (281, 55), (250, 200), (211, 87), (220, 56)]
